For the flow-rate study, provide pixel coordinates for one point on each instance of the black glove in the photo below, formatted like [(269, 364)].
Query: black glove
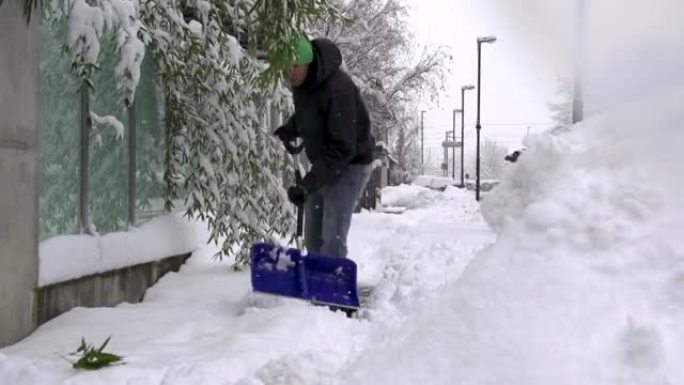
[(287, 137), (284, 135), (297, 195)]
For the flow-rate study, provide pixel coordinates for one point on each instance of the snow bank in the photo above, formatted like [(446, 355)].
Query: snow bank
[(407, 196), (585, 284), (398, 198), (435, 182), (69, 257)]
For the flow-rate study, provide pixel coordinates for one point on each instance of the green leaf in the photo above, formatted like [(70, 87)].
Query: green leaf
[(92, 359), (83, 346), (104, 344)]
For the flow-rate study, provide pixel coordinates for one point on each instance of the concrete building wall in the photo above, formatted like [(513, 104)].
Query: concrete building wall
[(19, 45)]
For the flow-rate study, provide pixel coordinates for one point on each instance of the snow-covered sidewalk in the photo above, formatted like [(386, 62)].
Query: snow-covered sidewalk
[(203, 326), (584, 284)]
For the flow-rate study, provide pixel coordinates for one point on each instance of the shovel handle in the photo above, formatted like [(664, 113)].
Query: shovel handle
[(300, 211)]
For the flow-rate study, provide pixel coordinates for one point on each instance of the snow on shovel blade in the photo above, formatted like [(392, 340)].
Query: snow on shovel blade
[(276, 270), (317, 278)]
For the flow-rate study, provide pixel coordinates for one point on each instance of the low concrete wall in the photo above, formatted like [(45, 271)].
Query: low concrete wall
[(105, 289)]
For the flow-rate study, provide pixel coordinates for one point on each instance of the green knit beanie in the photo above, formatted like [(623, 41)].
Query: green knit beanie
[(304, 51)]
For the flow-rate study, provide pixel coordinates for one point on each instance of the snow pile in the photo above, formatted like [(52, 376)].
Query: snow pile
[(434, 182), (69, 257), (463, 201), (407, 196), (583, 285)]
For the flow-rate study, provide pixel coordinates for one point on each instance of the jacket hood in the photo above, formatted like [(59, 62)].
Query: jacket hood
[(328, 59)]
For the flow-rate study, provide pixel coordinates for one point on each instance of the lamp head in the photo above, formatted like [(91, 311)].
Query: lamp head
[(486, 39)]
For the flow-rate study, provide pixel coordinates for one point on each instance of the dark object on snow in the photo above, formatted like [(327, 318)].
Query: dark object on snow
[(514, 156)]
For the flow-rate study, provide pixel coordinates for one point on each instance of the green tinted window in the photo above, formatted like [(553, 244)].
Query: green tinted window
[(149, 144), (59, 130), (109, 159)]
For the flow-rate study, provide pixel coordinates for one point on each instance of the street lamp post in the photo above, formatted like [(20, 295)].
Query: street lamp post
[(478, 127), (463, 90), (453, 149), (577, 100), (422, 143), (446, 145)]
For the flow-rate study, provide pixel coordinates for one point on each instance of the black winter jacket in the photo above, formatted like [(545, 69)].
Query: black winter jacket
[(330, 117)]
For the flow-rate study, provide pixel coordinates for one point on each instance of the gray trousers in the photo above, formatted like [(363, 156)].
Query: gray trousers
[(328, 212)]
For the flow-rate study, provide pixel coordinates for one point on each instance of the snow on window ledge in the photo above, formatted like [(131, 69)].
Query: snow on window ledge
[(68, 257)]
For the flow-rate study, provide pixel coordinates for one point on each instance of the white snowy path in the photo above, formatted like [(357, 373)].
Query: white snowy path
[(203, 326)]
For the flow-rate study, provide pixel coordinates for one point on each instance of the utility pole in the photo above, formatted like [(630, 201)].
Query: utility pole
[(577, 100), (478, 126), (447, 143), (468, 87), (453, 149), (422, 143)]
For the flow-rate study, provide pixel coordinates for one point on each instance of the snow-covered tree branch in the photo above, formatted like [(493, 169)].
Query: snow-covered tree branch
[(220, 156)]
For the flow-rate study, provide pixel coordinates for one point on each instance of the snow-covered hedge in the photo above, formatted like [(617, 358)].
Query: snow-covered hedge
[(217, 97)]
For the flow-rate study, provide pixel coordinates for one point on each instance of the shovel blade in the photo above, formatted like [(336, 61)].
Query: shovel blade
[(317, 278), (331, 281), (275, 270)]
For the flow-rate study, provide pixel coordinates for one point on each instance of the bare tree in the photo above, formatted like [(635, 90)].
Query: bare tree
[(377, 48), (406, 150), (493, 160), (561, 107)]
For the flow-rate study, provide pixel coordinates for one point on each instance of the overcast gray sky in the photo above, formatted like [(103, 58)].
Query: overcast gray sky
[(630, 45), (516, 83)]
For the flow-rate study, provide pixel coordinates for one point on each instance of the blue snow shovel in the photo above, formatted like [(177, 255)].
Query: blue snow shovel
[(321, 279)]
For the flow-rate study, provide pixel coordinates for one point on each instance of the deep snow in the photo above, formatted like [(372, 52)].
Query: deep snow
[(585, 284), (203, 326)]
